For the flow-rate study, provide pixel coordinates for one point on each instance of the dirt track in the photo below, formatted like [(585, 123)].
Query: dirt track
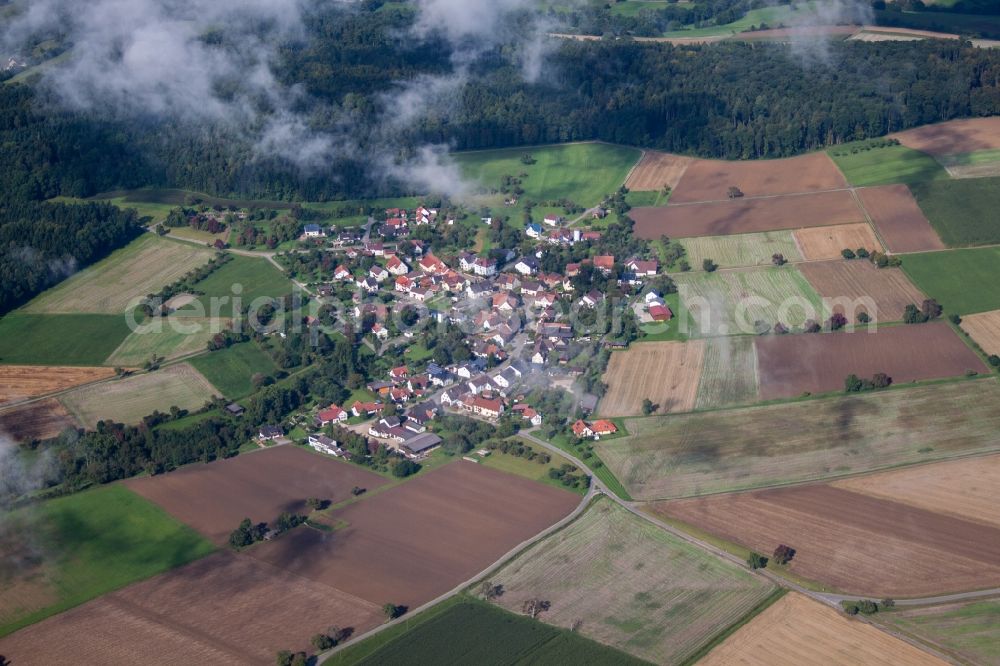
[(898, 219), (819, 363), (747, 215), (710, 180)]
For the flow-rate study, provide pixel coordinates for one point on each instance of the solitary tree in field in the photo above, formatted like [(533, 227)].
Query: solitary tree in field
[(392, 611), (534, 606), (756, 561), (783, 554), (848, 253), (709, 265), (778, 259), (734, 192), (648, 407)]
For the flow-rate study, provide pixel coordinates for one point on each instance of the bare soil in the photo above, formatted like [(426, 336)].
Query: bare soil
[(984, 328), (710, 180), (40, 419), (819, 243), (953, 137), (887, 291), (898, 219)]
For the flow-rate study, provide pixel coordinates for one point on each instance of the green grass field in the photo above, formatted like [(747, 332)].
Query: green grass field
[(91, 543), (143, 267), (530, 469), (581, 172), (962, 211), (963, 281), (970, 630), (231, 370), (729, 373), (468, 631), (737, 449), (886, 165), (741, 250), (755, 17), (258, 278), (631, 585), (60, 339), (173, 337), (727, 302), (974, 158)]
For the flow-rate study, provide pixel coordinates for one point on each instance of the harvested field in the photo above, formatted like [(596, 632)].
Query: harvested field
[(173, 337), (729, 374), (969, 631), (18, 382), (858, 285), (898, 219), (797, 630), (695, 454), (732, 301), (129, 400), (980, 164), (710, 180), (744, 216), (414, 542), (853, 542), (142, 267), (604, 574), (657, 169), (819, 243), (954, 137), (666, 373), (214, 498), (984, 328), (865, 36), (968, 489), (223, 609), (818, 363), (40, 419), (742, 250), (798, 32)]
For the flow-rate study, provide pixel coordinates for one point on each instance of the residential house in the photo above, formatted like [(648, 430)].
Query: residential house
[(366, 408), (403, 284), (491, 408), (604, 263), (399, 373), (270, 433), (420, 445), (452, 396), (466, 261), (369, 284), (431, 264), (592, 298), (314, 231), (484, 266), (379, 331), (534, 230), (528, 413), (553, 220), (660, 313), (482, 383), (378, 273), (324, 444), (582, 430), (603, 428), (526, 266), (332, 414), (642, 267), (375, 248), (397, 266)]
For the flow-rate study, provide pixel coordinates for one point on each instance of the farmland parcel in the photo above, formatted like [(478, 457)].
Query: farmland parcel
[(710, 180), (984, 328), (886, 290), (853, 542), (969, 631), (61, 339), (954, 137), (729, 374), (962, 211), (603, 574), (742, 250), (656, 170), (818, 243), (664, 372), (948, 276), (39, 419), (18, 382), (695, 454), (793, 365), (899, 220), (167, 338), (797, 630)]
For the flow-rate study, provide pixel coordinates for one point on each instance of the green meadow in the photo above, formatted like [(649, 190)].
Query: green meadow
[(963, 281), (231, 370), (963, 211), (886, 165), (60, 339)]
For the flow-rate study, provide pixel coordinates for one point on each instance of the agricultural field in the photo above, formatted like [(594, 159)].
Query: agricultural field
[(695, 454), (741, 250), (656, 170), (898, 219), (853, 542), (954, 137), (529, 469), (581, 172), (131, 399), (858, 285), (969, 631), (143, 267), (744, 216), (63, 339), (231, 370), (61, 552), (979, 164), (886, 165), (467, 631), (19, 382), (224, 609), (166, 337), (731, 301), (710, 180), (963, 281), (729, 373), (962, 211), (984, 329), (968, 489), (818, 363), (213, 498), (603, 575), (666, 373), (256, 279), (417, 540), (823, 243), (771, 15), (797, 630), (39, 419)]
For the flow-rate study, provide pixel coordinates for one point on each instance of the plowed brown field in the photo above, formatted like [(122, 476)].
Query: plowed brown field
[(899, 220), (818, 363), (40, 419), (657, 169), (881, 292), (411, 543), (818, 243), (214, 498), (853, 542), (797, 630), (984, 329), (665, 372), (18, 382), (224, 609), (954, 137), (744, 216), (968, 489), (710, 180)]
